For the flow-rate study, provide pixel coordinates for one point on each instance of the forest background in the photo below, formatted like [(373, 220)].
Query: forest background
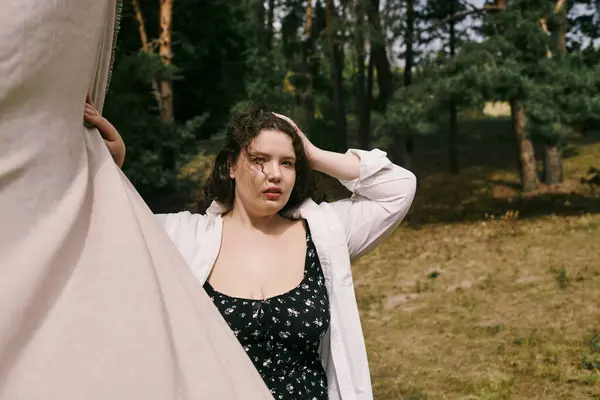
[(490, 288)]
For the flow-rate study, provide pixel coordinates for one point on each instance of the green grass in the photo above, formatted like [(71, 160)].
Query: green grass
[(485, 293), (498, 321)]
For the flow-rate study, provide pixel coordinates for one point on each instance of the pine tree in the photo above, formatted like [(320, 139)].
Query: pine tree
[(445, 17)]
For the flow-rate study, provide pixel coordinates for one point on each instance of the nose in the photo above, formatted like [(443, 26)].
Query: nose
[(273, 172)]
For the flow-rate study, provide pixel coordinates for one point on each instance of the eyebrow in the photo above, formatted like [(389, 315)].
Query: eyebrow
[(261, 154)]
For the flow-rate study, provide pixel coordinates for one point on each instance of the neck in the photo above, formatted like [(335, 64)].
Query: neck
[(243, 217)]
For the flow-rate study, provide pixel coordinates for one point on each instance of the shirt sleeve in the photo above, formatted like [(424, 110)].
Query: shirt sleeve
[(381, 198)]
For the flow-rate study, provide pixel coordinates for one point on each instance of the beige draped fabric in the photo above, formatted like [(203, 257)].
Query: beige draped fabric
[(95, 302)]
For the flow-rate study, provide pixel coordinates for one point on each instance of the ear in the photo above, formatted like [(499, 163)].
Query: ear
[(231, 167)]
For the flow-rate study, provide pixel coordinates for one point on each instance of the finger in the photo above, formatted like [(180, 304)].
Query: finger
[(287, 119), (92, 119), (91, 111), (283, 117), (88, 100)]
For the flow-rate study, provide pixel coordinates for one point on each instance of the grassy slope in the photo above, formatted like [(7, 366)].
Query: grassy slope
[(460, 305), (510, 315)]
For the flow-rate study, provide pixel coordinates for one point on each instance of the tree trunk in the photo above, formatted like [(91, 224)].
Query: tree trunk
[(146, 47), (399, 150), (553, 164), (269, 27), (553, 170), (385, 80), (453, 166), (409, 40), (308, 100), (361, 92), (365, 116), (336, 77), (403, 149), (166, 55), (453, 120), (261, 33), (562, 32), (527, 164)]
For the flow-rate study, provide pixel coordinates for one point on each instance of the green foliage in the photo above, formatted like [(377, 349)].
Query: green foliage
[(223, 60), (442, 10), (559, 92), (133, 110), (411, 112), (264, 82)]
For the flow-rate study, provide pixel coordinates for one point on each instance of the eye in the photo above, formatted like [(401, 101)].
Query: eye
[(288, 163), (258, 160)]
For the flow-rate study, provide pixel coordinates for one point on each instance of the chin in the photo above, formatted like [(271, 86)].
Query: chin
[(273, 207)]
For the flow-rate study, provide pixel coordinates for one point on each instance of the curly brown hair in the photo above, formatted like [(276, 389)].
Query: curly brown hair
[(243, 127)]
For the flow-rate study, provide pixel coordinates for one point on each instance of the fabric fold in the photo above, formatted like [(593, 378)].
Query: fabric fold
[(95, 301)]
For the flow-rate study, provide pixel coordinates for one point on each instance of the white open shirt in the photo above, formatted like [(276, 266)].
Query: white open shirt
[(341, 231)]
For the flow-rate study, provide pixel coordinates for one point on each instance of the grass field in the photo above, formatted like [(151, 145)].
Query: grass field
[(483, 293)]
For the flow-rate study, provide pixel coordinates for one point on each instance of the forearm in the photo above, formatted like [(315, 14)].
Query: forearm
[(337, 165), (120, 158), (113, 141)]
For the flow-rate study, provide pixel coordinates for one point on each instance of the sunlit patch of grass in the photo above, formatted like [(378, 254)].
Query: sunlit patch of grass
[(496, 325), (512, 310)]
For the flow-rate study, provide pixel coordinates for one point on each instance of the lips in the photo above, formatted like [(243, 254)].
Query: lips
[(272, 193), (273, 190)]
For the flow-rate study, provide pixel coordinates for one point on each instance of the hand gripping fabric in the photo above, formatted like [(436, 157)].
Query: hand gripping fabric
[(95, 302)]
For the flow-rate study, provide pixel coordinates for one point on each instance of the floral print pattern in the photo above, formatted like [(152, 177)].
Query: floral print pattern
[(282, 334)]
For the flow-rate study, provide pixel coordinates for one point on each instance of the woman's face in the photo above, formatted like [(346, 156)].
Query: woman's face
[(265, 174)]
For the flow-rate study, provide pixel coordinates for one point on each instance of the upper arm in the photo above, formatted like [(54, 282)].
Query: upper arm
[(376, 208)]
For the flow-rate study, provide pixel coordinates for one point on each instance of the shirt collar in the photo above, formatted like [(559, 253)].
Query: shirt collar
[(217, 208)]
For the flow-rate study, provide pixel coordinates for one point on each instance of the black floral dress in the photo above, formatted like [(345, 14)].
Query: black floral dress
[(281, 334)]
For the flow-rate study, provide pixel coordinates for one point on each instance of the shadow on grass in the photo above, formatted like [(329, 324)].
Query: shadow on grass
[(486, 142), (488, 183), (479, 193)]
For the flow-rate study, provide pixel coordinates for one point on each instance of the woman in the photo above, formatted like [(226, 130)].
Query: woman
[(277, 264)]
